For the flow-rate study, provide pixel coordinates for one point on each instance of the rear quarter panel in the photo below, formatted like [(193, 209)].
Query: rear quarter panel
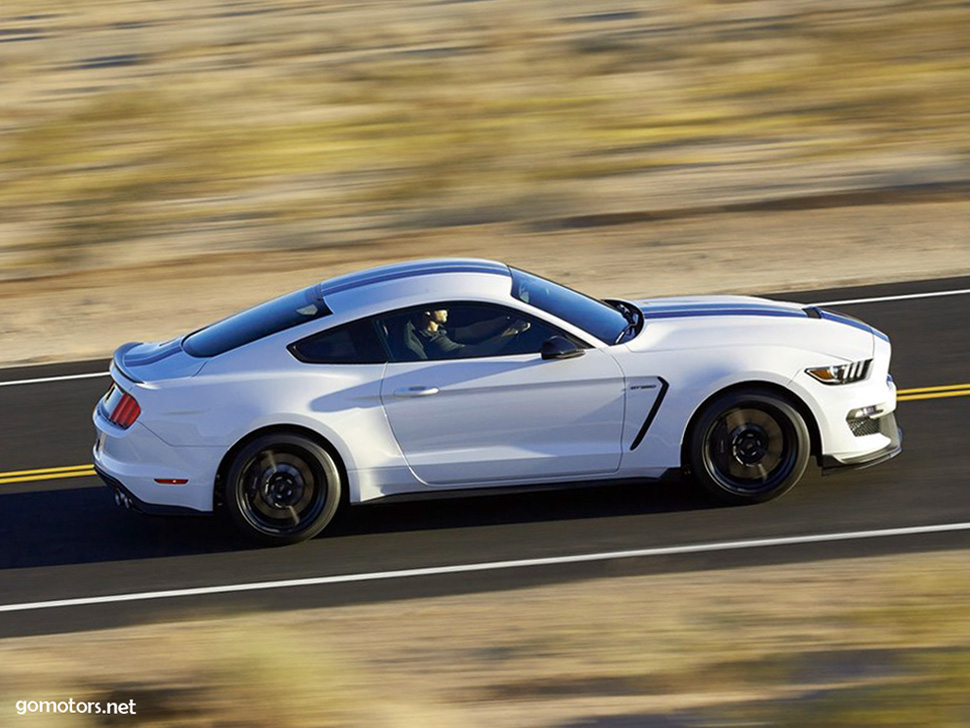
[(262, 385)]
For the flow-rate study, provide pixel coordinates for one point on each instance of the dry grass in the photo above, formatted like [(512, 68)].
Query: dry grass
[(195, 158), (140, 131), (864, 642)]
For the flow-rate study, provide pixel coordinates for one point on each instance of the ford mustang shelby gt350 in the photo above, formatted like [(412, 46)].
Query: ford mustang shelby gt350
[(459, 374)]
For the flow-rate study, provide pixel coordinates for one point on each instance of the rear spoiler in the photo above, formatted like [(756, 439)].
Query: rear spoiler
[(118, 365)]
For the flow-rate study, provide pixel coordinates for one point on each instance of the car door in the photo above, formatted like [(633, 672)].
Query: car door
[(493, 410)]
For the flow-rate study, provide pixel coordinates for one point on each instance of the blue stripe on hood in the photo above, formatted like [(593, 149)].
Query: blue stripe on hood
[(849, 321), (707, 309), (687, 309)]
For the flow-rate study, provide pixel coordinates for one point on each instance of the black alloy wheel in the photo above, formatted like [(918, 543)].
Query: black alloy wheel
[(282, 488), (749, 446)]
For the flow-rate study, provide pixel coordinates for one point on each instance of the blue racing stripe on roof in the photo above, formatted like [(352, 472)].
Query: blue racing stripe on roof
[(408, 270)]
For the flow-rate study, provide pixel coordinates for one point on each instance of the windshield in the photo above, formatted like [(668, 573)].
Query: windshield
[(267, 318), (602, 321)]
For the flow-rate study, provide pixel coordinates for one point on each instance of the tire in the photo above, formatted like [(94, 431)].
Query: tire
[(282, 488), (749, 446)]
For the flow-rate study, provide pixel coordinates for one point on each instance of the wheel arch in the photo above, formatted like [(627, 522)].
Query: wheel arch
[(290, 429), (769, 387)]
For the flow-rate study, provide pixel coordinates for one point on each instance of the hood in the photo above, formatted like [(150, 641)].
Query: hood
[(700, 321), (150, 362), (683, 306)]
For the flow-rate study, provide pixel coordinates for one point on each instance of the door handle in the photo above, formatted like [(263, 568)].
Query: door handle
[(415, 391)]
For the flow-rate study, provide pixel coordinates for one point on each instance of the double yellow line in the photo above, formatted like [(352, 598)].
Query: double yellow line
[(83, 471), (25, 476), (949, 390)]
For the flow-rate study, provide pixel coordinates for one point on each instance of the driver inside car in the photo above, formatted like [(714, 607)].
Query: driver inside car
[(440, 343)]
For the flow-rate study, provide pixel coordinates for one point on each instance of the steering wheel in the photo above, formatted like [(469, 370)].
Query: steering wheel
[(521, 346)]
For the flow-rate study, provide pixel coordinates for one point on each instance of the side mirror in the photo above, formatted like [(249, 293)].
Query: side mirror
[(559, 347)]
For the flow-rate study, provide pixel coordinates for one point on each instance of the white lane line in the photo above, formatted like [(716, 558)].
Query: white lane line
[(906, 297), (64, 378), (487, 566)]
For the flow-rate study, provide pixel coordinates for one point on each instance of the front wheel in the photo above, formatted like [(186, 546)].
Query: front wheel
[(749, 446), (282, 489)]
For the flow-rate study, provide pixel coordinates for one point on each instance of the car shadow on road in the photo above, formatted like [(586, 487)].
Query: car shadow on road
[(470, 510), (83, 525)]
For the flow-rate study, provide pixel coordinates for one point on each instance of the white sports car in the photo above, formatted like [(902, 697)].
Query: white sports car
[(459, 374)]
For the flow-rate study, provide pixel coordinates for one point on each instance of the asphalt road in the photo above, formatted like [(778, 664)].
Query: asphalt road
[(65, 538)]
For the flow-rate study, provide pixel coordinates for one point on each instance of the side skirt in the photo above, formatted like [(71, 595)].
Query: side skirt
[(671, 475)]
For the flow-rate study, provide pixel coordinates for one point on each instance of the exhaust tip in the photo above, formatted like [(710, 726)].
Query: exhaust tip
[(122, 499)]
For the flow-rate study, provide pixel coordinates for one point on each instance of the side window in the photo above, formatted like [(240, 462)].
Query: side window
[(462, 331), (355, 343)]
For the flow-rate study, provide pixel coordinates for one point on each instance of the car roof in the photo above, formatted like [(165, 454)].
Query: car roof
[(444, 276), (399, 271)]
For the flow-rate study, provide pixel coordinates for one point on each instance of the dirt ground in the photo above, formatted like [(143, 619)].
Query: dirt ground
[(87, 315)]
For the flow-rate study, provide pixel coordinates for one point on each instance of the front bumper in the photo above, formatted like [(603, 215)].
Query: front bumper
[(888, 428)]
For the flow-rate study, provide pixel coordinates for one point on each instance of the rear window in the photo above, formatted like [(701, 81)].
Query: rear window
[(265, 319)]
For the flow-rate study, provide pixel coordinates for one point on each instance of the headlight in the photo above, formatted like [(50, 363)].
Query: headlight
[(842, 373)]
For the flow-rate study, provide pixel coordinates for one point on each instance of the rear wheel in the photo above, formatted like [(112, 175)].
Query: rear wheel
[(749, 446), (282, 488)]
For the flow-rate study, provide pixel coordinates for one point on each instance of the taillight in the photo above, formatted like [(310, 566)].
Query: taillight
[(122, 409)]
